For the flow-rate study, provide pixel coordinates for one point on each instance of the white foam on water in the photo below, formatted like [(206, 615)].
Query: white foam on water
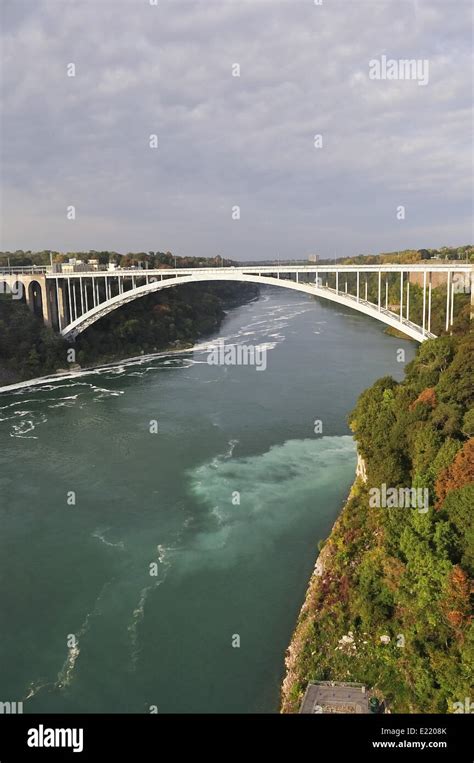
[(276, 489), (100, 536), (138, 613), (66, 673)]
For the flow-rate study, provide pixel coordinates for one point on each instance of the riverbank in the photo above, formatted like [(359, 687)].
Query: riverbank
[(96, 369)]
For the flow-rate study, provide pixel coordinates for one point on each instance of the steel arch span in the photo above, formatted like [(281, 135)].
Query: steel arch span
[(72, 297), (76, 327)]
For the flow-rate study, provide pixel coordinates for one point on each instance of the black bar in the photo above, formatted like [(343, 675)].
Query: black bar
[(143, 737)]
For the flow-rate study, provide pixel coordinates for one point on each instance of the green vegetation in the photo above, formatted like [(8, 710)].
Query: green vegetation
[(399, 573), (171, 318), (27, 348), (462, 253), (132, 259)]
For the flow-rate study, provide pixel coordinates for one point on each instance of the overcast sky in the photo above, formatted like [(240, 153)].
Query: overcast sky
[(226, 141)]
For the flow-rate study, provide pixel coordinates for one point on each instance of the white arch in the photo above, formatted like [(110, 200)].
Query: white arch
[(412, 330)]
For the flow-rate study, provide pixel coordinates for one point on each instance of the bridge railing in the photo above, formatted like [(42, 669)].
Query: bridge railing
[(66, 269), (26, 270)]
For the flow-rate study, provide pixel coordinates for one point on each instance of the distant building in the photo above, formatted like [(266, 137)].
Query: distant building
[(313, 258), (322, 697), (69, 267)]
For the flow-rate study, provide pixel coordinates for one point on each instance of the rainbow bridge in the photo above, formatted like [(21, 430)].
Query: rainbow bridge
[(70, 298)]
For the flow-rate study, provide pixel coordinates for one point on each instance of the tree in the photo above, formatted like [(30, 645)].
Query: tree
[(458, 474)]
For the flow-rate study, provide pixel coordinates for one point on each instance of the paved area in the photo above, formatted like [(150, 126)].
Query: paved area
[(333, 697)]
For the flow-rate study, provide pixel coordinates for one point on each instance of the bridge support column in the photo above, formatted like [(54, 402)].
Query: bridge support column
[(69, 300), (386, 293), (60, 305), (471, 286), (452, 302), (49, 304), (429, 305), (29, 300), (408, 298), (448, 289), (379, 285), (424, 303), (357, 296), (337, 282), (401, 296), (74, 299)]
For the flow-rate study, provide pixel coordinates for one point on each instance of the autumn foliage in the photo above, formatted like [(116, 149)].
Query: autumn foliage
[(458, 474), (427, 396), (456, 605)]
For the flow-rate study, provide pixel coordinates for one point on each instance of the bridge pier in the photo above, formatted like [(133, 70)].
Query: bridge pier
[(37, 295), (59, 305)]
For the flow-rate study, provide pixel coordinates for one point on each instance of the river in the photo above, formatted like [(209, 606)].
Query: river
[(145, 571)]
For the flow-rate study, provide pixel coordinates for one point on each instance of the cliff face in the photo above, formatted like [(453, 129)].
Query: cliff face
[(388, 604), (295, 680)]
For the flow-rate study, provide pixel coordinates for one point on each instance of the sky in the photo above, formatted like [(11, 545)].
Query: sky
[(236, 171)]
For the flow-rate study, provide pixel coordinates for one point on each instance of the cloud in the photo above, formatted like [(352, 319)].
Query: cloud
[(224, 140)]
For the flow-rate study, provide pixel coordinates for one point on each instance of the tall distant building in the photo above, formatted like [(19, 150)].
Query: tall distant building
[(313, 258)]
